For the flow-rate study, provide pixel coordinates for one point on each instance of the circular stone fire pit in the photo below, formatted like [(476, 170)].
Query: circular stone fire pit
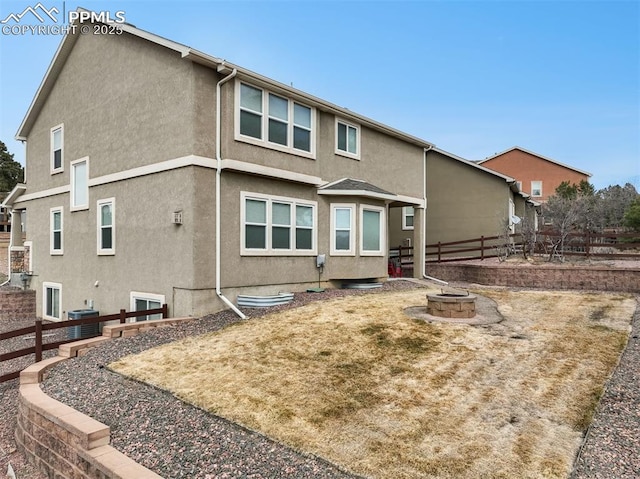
[(451, 305)]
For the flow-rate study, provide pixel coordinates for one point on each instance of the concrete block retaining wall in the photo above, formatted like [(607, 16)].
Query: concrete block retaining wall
[(17, 304), (540, 276), (62, 442)]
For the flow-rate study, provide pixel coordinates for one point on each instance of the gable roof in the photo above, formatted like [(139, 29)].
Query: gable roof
[(537, 155), (191, 54)]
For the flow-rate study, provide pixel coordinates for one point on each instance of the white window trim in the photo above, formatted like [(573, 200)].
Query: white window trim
[(532, 188), (53, 251), (269, 251), (72, 183), (264, 142), (348, 154), (51, 155), (405, 215), (46, 285), (352, 243), (106, 251), (383, 231), (133, 295)]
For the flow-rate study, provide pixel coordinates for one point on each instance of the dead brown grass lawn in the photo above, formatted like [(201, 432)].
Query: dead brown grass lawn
[(357, 382)]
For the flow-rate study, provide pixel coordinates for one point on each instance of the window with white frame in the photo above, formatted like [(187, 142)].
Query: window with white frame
[(343, 229), (347, 139), (146, 301), (275, 225), (519, 183), (57, 149), (106, 227), (80, 184), (271, 120), (52, 300), (536, 188), (372, 230), (56, 228), (408, 214)]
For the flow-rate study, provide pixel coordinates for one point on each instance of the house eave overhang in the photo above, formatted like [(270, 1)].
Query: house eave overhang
[(15, 193), (260, 80), (191, 54)]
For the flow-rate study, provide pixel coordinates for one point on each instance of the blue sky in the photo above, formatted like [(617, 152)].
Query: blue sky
[(560, 78)]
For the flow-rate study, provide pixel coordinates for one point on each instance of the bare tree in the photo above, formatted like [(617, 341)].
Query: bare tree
[(566, 215)]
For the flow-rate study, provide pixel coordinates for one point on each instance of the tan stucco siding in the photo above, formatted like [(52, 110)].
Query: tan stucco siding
[(111, 93), (252, 270), (463, 202), (380, 154), (152, 255)]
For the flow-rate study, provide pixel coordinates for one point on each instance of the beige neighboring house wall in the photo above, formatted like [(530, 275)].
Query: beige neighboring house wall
[(464, 201), (146, 127)]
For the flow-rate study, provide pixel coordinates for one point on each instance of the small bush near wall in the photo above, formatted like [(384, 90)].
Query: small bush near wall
[(17, 304)]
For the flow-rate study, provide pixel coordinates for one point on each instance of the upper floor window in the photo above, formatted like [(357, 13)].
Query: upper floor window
[(271, 120), (55, 243), (57, 149), (408, 214), (106, 227), (276, 225), (347, 139), (536, 188), (80, 184)]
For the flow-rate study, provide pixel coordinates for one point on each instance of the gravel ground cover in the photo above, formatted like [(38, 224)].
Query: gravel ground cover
[(613, 439), (177, 440)]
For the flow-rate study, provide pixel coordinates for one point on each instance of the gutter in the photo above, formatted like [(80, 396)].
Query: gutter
[(230, 76), (424, 221)]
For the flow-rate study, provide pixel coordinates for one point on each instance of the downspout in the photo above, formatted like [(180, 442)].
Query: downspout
[(424, 221), (218, 183), (9, 254)]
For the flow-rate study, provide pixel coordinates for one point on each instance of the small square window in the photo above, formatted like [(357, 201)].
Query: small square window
[(347, 139), (408, 214), (536, 188)]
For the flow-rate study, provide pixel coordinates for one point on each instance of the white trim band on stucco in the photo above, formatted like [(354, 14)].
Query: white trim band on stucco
[(184, 161)]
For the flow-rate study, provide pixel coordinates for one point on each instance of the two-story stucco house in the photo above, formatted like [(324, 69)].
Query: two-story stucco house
[(156, 173), (536, 175)]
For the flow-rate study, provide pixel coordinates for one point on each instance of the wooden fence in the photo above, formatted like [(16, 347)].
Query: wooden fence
[(38, 328), (602, 245)]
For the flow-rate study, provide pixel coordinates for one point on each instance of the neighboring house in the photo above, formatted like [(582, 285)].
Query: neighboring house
[(537, 175), (465, 201), (159, 174)]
